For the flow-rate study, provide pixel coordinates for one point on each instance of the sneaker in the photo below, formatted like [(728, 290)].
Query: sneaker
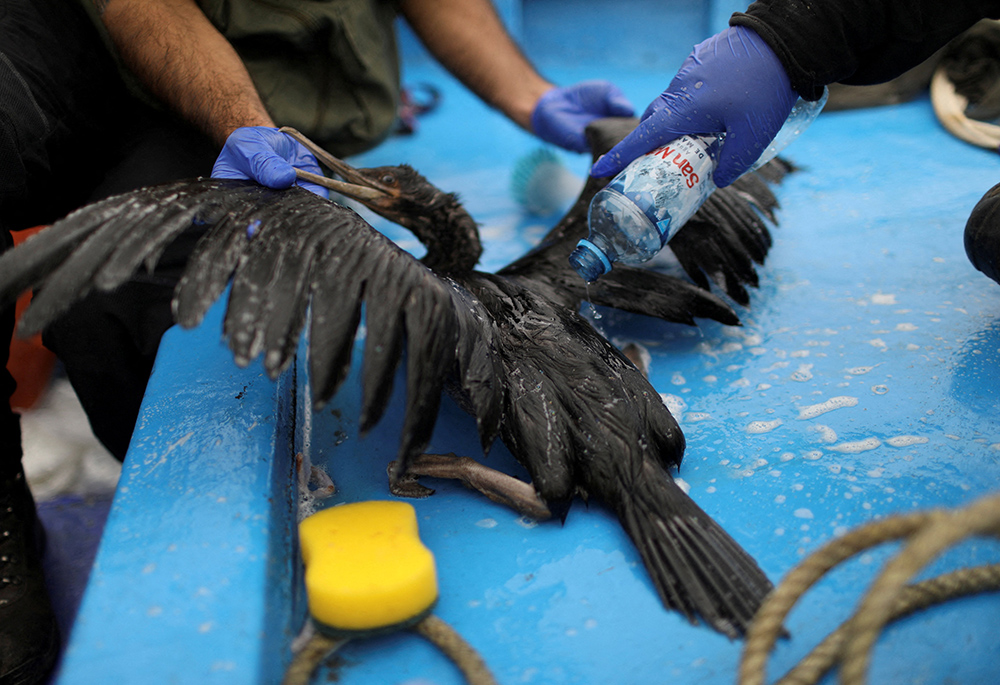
[(29, 636), (982, 234)]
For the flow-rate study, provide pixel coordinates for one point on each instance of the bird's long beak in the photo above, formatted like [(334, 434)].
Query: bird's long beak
[(355, 185)]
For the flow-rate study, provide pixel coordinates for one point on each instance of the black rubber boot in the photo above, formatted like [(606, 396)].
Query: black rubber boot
[(29, 635), (982, 234)]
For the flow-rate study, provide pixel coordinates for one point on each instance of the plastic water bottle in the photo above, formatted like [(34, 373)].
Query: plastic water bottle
[(644, 206)]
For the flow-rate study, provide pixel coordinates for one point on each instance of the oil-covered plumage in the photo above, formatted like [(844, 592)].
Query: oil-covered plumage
[(510, 346)]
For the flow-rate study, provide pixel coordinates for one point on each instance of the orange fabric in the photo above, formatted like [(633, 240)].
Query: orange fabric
[(30, 362)]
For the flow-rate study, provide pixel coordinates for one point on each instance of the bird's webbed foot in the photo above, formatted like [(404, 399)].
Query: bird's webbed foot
[(498, 486)]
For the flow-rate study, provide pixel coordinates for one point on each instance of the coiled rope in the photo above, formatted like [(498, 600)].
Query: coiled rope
[(320, 646), (927, 535)]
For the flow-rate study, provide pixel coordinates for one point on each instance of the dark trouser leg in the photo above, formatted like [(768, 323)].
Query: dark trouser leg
[(10, 427), (29, 636), (982, 234), (108, 341), (59, 92), (58, 88), (70, 134), (107, 344)]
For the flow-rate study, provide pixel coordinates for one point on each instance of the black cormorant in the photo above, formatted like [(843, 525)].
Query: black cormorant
[(511, 346)]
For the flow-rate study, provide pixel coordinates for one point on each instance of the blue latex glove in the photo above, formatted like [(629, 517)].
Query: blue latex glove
[(561, 114), (732, 82), (267, 156)]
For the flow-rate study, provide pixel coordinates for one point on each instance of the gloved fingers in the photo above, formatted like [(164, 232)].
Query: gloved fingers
[(731, 82), (305, 160), (747, 138), (734, 160), (562, 114), (266, 156), (270, 170), (612, 101), (315, 189), (674, 113), (650, 134), (253, 153)]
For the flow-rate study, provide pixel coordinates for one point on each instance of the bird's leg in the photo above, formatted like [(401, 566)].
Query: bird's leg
[(498, 486)]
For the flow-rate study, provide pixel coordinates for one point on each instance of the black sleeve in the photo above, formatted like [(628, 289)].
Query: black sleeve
[(857, 41)]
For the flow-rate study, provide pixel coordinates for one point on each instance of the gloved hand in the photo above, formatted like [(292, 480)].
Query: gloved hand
[(561, 114), (267, 156), (732, 82)]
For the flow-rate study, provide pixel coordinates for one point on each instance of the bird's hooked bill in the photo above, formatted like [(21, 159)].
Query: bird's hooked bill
[(355, 185)]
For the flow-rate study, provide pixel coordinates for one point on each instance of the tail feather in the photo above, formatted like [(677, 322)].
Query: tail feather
[(730, 234), (696, 567), (772, 172)]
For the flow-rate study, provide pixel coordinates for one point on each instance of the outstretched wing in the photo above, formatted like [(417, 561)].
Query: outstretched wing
[(103, 244), (280, 250)]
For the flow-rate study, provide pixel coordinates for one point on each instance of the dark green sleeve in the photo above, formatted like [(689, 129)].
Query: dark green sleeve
[(857, 41)]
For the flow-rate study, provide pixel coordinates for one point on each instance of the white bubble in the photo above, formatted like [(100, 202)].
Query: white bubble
[(906, 440), (757, 427), (814, 410), (803, 373), (857, 446), (675, 404), (826, 434)]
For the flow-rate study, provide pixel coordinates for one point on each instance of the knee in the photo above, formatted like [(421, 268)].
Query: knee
[(982, 234)]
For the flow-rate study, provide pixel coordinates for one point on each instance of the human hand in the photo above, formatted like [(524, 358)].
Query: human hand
[(733, 83), (562, 114), (267, 156)]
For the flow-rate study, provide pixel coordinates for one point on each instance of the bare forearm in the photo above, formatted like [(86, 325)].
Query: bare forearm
[(469, 39), (183, 60)]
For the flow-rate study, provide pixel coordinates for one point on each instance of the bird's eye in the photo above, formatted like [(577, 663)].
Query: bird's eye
[(389, 179)]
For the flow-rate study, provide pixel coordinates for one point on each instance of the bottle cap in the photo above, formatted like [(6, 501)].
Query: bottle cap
[(589, 261)]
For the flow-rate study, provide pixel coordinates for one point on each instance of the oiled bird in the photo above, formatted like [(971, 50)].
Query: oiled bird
[(510, 346)]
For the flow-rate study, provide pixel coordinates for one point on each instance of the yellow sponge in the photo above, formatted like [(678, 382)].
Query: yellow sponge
[(366, 568)]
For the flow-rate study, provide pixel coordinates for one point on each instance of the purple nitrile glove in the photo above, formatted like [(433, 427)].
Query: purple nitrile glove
[(733, 83), (267, 156), (562, 114)]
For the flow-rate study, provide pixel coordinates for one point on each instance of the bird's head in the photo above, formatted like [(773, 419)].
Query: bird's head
[(403, 196)]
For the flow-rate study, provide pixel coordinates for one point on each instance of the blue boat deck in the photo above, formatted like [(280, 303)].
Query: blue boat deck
[(865, 381)]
